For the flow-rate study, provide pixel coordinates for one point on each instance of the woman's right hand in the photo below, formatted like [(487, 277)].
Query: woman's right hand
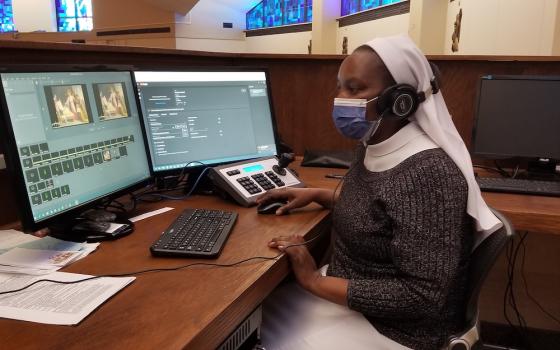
[(294, 198)]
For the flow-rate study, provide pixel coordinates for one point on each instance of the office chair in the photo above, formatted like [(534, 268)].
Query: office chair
[(482, 259)]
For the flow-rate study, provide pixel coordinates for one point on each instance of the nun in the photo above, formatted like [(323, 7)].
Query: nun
[(405, 220)]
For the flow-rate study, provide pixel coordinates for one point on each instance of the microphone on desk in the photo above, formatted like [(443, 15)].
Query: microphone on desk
[(283, 161)]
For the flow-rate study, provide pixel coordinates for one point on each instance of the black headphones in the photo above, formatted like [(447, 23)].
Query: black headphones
[(402, 100)]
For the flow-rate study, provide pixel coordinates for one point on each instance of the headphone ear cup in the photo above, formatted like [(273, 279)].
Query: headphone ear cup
[(399, 100), (383, 102)]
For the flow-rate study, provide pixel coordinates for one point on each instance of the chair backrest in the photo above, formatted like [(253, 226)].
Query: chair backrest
[(482, 259)]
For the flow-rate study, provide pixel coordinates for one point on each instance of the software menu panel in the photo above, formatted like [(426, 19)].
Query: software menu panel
[(207, 117), (78, 136)]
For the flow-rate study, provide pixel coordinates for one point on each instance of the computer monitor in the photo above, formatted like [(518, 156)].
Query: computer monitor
[(517, 116), (72, 139), (208, 116)]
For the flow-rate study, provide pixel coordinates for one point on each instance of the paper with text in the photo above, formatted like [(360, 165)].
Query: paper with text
[(53, 303)]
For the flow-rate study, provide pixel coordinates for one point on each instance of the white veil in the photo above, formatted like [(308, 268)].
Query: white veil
[(408, 65)]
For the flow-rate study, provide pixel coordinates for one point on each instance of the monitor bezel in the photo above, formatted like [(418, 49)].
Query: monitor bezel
[(197, 168), (13, 165), (475, 127)]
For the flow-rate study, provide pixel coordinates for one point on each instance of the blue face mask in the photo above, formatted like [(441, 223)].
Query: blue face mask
[(349, 116)]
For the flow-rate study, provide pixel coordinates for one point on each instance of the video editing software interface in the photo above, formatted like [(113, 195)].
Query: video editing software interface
[(523, 111), (78, 136), (208, 117)]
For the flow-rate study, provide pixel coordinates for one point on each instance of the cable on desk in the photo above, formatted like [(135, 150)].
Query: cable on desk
[(126, 274), (159, 195), (178, 180), (512, 251), (533, 299), (501, 172)]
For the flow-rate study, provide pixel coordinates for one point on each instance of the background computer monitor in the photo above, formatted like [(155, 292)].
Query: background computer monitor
[(72, 138), (517, 116), (206, 116)]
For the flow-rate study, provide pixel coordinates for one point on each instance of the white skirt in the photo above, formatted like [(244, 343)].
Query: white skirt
[(294, 319)]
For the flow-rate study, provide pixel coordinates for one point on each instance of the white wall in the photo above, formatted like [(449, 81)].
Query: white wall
[(205, 31), (33, 15), (325, 26), (556, 40), (295, 43), (503, 27), (361, 33), (427, 23)]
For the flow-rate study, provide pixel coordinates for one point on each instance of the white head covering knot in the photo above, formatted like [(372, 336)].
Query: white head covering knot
[(408, 65)]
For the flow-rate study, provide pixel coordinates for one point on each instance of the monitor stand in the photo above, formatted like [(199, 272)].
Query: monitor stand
[(93, 226), (543, 169), (204, 185)]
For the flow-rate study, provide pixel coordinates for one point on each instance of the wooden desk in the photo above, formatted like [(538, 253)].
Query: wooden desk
[(197, 308), (528, 213)]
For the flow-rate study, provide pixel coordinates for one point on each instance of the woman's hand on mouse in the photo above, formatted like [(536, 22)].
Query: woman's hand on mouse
[(303, 264), (297, 198)]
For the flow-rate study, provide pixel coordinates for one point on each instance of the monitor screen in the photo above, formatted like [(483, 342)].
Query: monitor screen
[(209, 117), (76, 136), (518, 116)]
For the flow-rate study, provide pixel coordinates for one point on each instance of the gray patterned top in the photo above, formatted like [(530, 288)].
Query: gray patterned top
[(403, 239)]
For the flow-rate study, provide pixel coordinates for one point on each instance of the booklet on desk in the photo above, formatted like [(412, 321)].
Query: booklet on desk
[(26, 254)]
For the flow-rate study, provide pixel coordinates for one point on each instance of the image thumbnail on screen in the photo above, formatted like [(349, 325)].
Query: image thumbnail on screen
[(68, 105), (111, 101)]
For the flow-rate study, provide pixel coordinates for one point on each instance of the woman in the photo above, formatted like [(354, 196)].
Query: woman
[(402, 224)]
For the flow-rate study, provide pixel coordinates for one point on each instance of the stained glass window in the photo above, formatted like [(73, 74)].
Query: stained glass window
[(369, 4), (273, 13), (74, 15), (349, 7), (6, 16), (294, 11), (309, 11), (255, 18)]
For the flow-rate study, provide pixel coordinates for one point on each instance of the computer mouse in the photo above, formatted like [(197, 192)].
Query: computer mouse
[(269, 207)]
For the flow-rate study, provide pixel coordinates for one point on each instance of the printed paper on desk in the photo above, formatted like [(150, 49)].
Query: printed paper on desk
[(62, 304), (12, 238)]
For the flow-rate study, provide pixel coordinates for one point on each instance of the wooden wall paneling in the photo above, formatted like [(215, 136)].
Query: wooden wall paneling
[(27, 56)]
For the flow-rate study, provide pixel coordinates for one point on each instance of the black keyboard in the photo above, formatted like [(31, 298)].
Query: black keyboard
[(197, 233), (540, 188)]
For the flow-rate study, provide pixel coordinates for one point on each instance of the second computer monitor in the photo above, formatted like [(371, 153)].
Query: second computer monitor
[(517, 116), (207, 117)]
